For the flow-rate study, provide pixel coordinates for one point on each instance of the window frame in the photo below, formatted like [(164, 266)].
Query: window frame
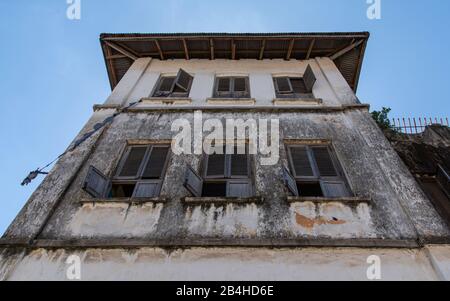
[(231, 92), (292, 93), (317, 177), (171, 94)]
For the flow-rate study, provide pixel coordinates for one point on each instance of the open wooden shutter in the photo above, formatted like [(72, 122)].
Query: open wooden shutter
[(147, 189), (130, 167), (324, 162), (290, 181), (183, 80), (165, 87), (298, 86), (156, 163), (193, 182), (96, 183), (334, 189), (283, 85), (239, 189), (309, 78), (300, 162)]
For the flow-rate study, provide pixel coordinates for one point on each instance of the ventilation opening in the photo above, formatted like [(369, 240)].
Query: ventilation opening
[(214, 190), (122, 190), (310, 189)]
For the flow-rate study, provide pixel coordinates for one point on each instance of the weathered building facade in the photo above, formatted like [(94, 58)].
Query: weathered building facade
[(130, 208)]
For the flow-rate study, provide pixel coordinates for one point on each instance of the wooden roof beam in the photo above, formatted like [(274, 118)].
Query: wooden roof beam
[(289, 52), (233, 50), (263, 47), (186, 50), (121, 50), (346, 49), (211, 48), (161, 54), (310, 49)]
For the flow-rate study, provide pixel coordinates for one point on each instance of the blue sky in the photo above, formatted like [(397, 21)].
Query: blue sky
[(52, 70)]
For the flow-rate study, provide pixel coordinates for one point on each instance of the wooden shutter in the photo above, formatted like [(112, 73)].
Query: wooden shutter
[(216, 166), (223, 84), (240, 84), (283, 85), (156, 163), (443, 179), (298, 86), (193, 182), (309, 78), (238, 164), (334, 189), (290, 181), (166, 84), (239, 189), (96, 184), (300, 162), (183, 80), (147, 189), (324, 162), (131, 165)]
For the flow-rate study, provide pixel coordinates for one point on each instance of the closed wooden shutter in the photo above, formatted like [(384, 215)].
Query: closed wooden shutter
[(131, 166), (283, 85), (300, 162), (324, 162), (298, 86), (239, 189), (290, 181), (96, 184), (147, 189), (216, 166), (309, 79), (183, 80), (193, 182), (223, 84), (334, 189), (239, 165), (156, 163), (240, 84)]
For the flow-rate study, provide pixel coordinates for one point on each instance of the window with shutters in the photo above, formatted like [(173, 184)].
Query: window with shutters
[(174, 86), (295, 87), (232, 87), (141, 171), (224, 175), (315, 172)]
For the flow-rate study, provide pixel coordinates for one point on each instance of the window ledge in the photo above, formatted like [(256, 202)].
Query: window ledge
[(220, 200), (297, 101), (123, 200), (231, 101), (321, 200), (167, 100)]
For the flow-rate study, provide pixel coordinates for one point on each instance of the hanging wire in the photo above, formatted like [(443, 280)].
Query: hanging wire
[(41, 171)]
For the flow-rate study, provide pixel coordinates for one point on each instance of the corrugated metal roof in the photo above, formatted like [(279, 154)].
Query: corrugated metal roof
[(346, 48)]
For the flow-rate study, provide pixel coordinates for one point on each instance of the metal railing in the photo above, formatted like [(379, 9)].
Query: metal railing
[(416, 125)]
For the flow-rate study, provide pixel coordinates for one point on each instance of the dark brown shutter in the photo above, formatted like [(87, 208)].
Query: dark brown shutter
[(298, 86), (324, 162), (223, 84), (309, 78), (183, 80), (283, 85), (156, 163), (146, 189), (166, 84), (443, 179), (334, 189), (239, 164), (96, 184), (216, 166), (290, 181), (132, 164), (239, 189), (240, 84), (193, 182), (300, 162)]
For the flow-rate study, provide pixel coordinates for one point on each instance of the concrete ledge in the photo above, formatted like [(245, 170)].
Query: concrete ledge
[(231, 101), (215, 200), (122, 200), (166, 100), (321, 200), (105, 107), (297, 101)]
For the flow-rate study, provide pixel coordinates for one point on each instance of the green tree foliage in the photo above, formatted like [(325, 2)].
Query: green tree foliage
[(382, 119)]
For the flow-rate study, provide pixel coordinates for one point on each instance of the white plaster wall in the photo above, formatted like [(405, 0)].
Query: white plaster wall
[(222, 264), (142, 77)]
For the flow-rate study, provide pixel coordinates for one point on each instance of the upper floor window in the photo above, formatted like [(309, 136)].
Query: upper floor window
[(315, 172), (232, 87), (140, 174), (295, 87), (223, 175), (174, 86)]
